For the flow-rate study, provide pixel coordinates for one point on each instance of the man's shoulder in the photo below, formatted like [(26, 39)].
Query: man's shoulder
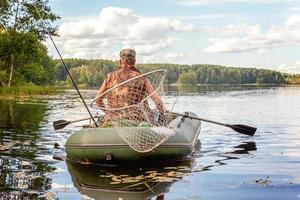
[(111, 74)]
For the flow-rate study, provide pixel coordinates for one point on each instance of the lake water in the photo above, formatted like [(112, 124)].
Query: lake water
[(227, 165)]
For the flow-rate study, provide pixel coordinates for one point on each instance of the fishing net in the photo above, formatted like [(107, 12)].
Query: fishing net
[(133, 107)]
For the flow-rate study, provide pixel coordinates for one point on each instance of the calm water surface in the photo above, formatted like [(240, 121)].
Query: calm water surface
[(227, 165)]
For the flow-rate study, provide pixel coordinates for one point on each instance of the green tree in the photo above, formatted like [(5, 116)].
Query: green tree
[(20, 22), (30, 59), (21, 16), (189, 77)]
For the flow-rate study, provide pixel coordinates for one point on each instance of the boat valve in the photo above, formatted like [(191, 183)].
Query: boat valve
[(186, 114), (108, 156)]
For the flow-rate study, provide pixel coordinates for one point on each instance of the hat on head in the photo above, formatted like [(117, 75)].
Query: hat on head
[(127, 54)]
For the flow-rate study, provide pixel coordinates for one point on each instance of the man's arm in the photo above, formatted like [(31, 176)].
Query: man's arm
[(159, 104), (101, 90)]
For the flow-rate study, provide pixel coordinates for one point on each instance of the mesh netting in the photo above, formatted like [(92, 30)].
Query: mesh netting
[(133, 107)]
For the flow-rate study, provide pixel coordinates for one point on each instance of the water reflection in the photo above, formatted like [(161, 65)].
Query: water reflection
[(22, 175), (21, 117), (204, 89), (23, 178), (221, 158), (244, 148), (226, 159), (19, 124), (127, 182), (143, 182)]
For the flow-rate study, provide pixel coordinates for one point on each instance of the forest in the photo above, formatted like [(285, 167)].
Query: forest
[(92, 72)]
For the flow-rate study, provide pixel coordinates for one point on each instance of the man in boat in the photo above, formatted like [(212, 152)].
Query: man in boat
[(128, 96)]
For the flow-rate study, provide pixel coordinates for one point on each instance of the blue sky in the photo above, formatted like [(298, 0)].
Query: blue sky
[(240, 33)]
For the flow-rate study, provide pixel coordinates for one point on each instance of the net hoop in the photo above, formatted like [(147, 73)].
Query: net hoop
[(134, 120)]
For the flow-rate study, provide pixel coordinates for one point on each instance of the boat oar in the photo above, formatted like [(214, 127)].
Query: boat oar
[(240, 128), (59, 124)]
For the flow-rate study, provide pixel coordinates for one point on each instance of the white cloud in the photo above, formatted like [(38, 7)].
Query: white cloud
[(230, 45), (147, 48), (254, 39), (290, 67), (232, 29), (197, 17), (177, 56), (263, 51), (57, 186), (294, 9), (147, 59), (293, 20), (115, 28), (206, 2)]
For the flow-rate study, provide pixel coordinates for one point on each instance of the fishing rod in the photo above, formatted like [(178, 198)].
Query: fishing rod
[(66, 67)]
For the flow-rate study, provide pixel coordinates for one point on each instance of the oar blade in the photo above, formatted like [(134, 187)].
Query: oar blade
[(243, 129), (59, 124)]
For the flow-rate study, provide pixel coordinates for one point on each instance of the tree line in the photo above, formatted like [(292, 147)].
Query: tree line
[(292, 78), (93, 72)]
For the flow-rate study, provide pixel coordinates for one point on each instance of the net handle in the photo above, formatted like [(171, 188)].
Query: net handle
[(120, 84)]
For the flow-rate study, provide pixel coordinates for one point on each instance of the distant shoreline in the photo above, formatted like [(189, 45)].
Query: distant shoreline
[(233, 84), (28, 91)]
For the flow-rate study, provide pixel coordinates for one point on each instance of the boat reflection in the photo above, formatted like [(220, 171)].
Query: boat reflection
[(127, 182), (235, 153), (244, 148)]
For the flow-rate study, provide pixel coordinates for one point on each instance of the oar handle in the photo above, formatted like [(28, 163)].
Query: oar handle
[(198, 118), (63, 123), (79, 120)]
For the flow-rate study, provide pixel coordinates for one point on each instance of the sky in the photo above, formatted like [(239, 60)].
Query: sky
[(237, 33)]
